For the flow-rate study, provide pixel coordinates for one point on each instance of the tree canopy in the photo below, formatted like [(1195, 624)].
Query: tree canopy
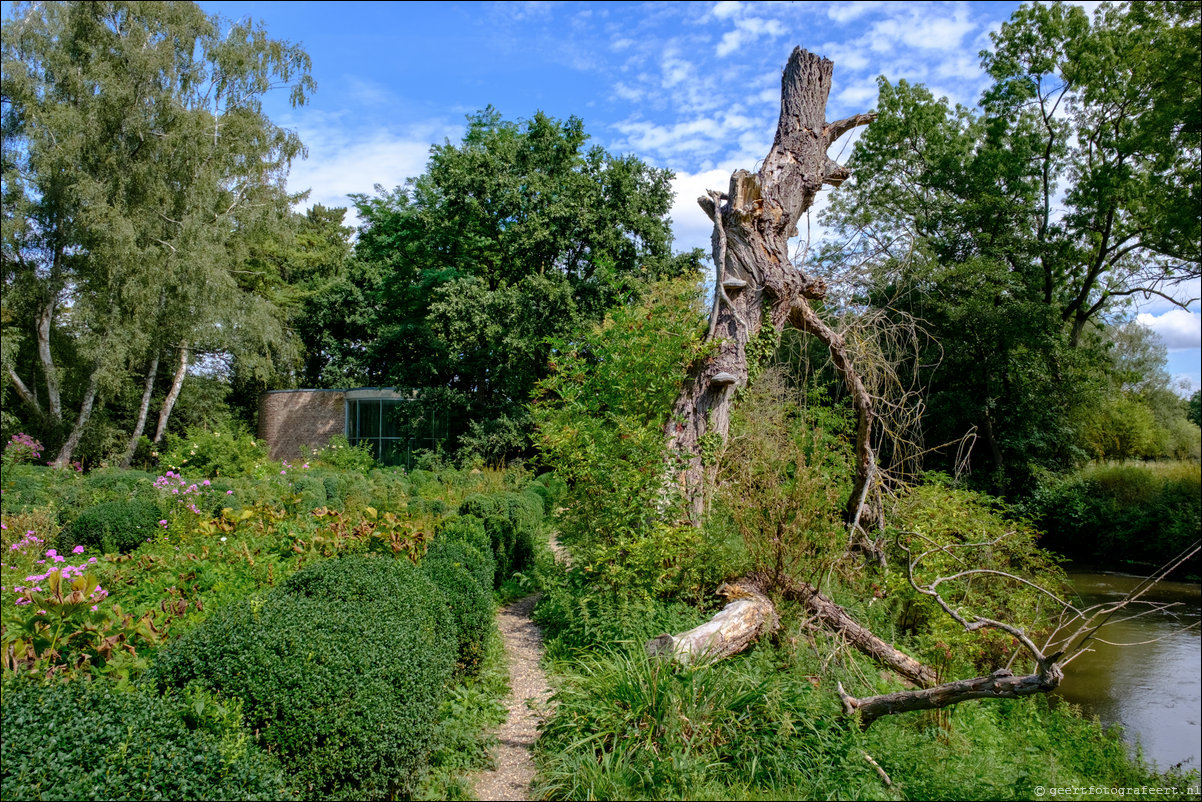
[(1015, 228), (513, 236), (137, 162)]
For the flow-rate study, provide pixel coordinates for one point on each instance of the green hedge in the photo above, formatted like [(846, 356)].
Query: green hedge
[(86, 740), (467, 600), (1142, 515), (114, 526), (341, 670), (512, 522)]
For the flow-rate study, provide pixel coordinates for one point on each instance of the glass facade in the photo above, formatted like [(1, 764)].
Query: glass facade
[(395, 425)]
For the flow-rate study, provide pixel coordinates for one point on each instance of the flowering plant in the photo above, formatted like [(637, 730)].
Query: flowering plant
[(21, 448)]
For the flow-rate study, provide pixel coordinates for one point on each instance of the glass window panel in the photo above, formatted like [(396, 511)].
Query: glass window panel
[(369, 419), (392, 452), (352, 410), (396, 418)]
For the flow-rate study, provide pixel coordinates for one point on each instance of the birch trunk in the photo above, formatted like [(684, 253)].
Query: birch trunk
[(143, 410), (176, 384), (85, 413)]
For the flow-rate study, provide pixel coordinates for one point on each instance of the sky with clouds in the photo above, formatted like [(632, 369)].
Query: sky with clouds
[(692, 86)]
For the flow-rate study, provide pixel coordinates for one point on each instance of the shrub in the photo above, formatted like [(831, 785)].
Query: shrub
[(478, 562), (86, 740), (231, 453), (511, 521), (114, 526), (341, 670), (468, 600), (466, 529), (312, 492), (340, 454)]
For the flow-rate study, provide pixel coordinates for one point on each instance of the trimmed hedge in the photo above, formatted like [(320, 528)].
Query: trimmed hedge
[(114, 526), (467, 600), (87, 740), (511, 521), (341, 670), (478, 562)]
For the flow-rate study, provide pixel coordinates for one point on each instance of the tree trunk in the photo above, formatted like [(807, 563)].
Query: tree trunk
[(752, 613), (1001, 684), (45, 318), (143, 410), (85, 413), (24, 392), (756, 285), (728, 633), (176, 384)]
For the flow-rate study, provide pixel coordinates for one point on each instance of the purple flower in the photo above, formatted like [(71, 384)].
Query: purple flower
[(229, 492), (23, 601), (77, 550), (163, 523)]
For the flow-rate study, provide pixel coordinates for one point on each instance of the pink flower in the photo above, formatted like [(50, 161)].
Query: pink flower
[(23, 601), (229, 492), (206, 483), (52, 553), (91, 560), (94, 606), (163, 523), (77, 550)]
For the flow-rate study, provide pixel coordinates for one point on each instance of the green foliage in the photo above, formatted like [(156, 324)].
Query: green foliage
[(87, 740), (341, 670), (781, 481), (231, 453), (944, 531), (123, 207), (456, 570), (115, 526), (341, 455), (464, 541), (1137, 514), (600, 415), (1030, 219), (1195, 408), (512, 522), (517, 235)]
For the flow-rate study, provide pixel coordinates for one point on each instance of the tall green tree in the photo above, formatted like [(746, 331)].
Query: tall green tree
[(136, 154), (519, 233), (1013, 228)]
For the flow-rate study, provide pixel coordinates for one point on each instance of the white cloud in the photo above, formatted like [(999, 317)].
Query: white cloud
[(846, 12), (690, 226), (1178, 328)]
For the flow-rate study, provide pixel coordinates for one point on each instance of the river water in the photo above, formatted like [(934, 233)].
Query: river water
[(1155, 690)]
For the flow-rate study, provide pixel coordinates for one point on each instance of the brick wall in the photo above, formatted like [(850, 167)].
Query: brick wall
[(292, 419)]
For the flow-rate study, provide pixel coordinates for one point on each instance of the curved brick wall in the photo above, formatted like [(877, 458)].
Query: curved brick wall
[(290, 420)]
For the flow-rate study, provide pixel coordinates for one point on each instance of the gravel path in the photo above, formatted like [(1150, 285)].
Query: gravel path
[(527, 704)]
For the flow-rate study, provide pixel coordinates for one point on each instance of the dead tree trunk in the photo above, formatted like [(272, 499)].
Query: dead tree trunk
[(1001, 684), (756, 283)]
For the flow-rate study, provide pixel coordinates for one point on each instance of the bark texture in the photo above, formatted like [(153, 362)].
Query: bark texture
[(729, 632), (756, 283), (1001, 684), (152, 373), (176, 384)]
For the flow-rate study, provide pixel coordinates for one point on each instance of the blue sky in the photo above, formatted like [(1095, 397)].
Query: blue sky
[(691, 86)]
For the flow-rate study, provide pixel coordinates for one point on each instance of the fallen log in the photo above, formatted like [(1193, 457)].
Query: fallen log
[(751, 613), (732, 630), (1001, 684)]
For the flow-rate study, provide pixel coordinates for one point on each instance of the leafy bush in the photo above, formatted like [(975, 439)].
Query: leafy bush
[(86, 740), (114, 526), (312, 493), (341, 670), (478, 562), (202, 452), (511, 521), (1138, 514), (341, 455), (465, 529), (468, 601)]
